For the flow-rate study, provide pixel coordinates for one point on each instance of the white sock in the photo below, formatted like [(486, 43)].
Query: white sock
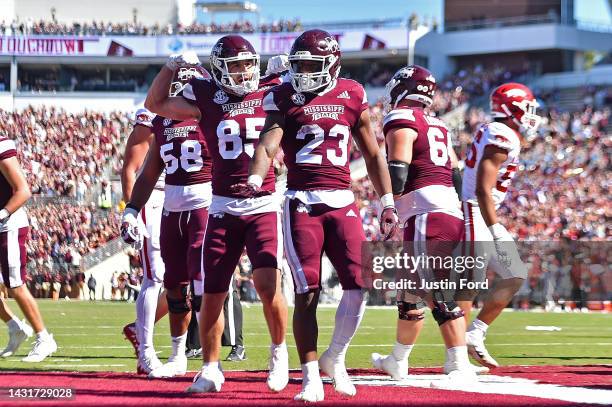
[(401, 352), (282, 346), (146, 307), (14, 324), (348, 317), (479, 325), (212, 365), (42, 334), (310, 372), (179, 344), (458, 355)]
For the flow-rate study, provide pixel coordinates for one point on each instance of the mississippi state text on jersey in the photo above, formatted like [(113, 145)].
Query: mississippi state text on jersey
[(429, 185), (231, 126), (499, 135), (318, 133)]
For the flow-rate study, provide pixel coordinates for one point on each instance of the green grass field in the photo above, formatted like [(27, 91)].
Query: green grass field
[(90, 339)]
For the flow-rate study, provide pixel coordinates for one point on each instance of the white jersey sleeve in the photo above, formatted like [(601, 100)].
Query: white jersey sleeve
[(502, 136), (498, 135)]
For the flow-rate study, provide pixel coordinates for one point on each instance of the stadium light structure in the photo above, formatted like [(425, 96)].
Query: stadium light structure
[(212, 7)]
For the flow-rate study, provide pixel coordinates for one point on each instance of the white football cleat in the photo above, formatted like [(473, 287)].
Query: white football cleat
[(278, 375), (398, 370), (42, 348), (336, 370), (208, 380), (148, 363), (16, 338), (312, 391), (476, 348), (176, 366), (461, 379)]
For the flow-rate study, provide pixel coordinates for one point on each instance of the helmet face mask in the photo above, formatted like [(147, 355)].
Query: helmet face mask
[(314, 61), (304, 81), (225, 56)]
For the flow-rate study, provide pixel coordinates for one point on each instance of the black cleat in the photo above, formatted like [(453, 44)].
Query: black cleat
[(237, 354), (193, 353)]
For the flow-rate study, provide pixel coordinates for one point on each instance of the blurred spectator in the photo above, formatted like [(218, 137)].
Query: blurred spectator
[(42, 27)]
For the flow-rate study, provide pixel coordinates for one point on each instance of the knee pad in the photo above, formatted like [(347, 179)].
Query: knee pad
[(403, 308), (183, 303), (446, 311), (196, 302)]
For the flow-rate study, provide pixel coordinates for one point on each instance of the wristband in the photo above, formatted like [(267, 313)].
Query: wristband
[(131, 206), (4, 214), (255, 180), (387, 200), (497, 230)]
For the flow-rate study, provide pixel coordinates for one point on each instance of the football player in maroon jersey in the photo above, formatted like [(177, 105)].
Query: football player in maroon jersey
[(14, 193), (313, 117), (229, 110), (419, 155), (179, 148)]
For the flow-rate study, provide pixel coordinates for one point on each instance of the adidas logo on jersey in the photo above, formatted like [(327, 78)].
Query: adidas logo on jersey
[(351, 213), (344, 95), (218, 215)]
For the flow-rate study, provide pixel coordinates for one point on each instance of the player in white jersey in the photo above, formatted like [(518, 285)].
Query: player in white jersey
[(490, 165), (150, 305)]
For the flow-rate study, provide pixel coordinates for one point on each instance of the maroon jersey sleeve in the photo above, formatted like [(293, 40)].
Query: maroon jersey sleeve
[(401, 118), (7, 148), (198, 91)]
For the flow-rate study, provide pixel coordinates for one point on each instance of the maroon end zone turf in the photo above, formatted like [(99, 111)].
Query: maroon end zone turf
[(249, 389)]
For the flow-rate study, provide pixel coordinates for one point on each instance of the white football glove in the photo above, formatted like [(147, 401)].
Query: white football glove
[(277, 64), (187, 59), (501, 237), (130, 232), (4, 217)]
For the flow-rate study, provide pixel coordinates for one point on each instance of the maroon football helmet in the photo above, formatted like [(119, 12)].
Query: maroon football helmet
[(233, 48), (411, 82), (315, 46)]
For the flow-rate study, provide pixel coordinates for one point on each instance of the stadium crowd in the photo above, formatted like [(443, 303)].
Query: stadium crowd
[(51, 27), (65, 154)]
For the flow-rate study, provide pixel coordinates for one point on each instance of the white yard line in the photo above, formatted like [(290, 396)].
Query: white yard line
[(492, 384)]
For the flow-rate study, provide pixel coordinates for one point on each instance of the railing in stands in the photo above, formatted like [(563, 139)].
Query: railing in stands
[(501, 22), (380, 23), (102, 253)]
